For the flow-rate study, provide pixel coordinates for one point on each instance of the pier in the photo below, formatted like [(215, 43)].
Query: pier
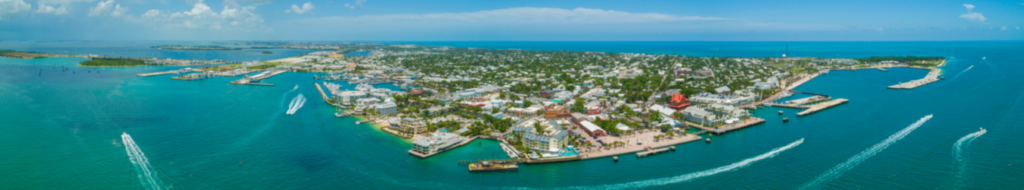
[(822, 106), (165, 72), (421, 155), (653, 151), (732, 127), (932, 76)]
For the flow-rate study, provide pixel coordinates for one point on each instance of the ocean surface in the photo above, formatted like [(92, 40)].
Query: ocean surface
[(64, 129)]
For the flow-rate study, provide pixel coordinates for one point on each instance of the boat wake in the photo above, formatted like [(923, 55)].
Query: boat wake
[(296, 103), (695, 175), (962, 72), (146, 174), (857, 159), (958, 149)]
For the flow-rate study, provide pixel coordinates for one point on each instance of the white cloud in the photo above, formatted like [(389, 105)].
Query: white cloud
[(526, 15), (971, 15), (47, 9), (8, 7), (358, 4), (1003, 28), (1018, 28), (232, 17), (151, 13), (974, 16), (305, 8), (108, 8)]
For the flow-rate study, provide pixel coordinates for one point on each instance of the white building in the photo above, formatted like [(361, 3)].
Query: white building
[(348, 96), (386, 108), (727, 99)]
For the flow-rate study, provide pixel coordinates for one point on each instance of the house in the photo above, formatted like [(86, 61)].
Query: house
[(437, 142), (678, 102)]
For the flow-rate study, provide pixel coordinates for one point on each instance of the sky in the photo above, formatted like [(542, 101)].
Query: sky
[(520, 20)]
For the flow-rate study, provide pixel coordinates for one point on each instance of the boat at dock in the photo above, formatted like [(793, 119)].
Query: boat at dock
[(486, 166)]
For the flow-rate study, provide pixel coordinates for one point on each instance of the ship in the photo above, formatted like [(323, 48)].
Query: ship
[(485, 166)]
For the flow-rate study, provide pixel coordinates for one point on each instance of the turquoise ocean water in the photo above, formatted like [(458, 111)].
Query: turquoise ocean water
[(60, 130)]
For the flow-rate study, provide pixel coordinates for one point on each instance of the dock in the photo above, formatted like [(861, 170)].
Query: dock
[(653, 151), (724, 129), (164, 72), (822, 106), (421, 155), (932, 76)]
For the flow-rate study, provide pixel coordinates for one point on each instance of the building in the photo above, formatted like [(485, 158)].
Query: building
[(723, 90), (682, 71), (409, 126), (386, 108), (592, 129), (437, 142), (703, 73), (553, 139), (698, 115), (416, 92), (348, 97), (552, 112), (727, 99), (678, 102)]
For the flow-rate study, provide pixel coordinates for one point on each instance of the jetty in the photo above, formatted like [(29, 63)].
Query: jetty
[(422, 155), (731, 127), (653, 151), (932, 76), (322, 94), (185, 70), (822, 106), (254, 80)]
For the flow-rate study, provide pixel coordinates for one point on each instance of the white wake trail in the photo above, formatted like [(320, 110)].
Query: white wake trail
[(695, 175), (857, 159), (146, 175), (962, 72), (966, 140), (296, 103), (958, 149)]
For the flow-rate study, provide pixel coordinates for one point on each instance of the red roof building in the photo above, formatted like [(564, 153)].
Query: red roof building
[(678, 102)]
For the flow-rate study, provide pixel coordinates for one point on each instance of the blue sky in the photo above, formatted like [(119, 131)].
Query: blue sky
[(524, 20)]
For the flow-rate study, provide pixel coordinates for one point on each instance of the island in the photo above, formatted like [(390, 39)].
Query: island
[(188, 47), (112, 62), (556, 106)]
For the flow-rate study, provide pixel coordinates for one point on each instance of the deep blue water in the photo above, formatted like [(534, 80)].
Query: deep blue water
[(62, 130)]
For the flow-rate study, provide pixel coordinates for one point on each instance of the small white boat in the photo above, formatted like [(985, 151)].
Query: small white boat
[(296, 86)]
